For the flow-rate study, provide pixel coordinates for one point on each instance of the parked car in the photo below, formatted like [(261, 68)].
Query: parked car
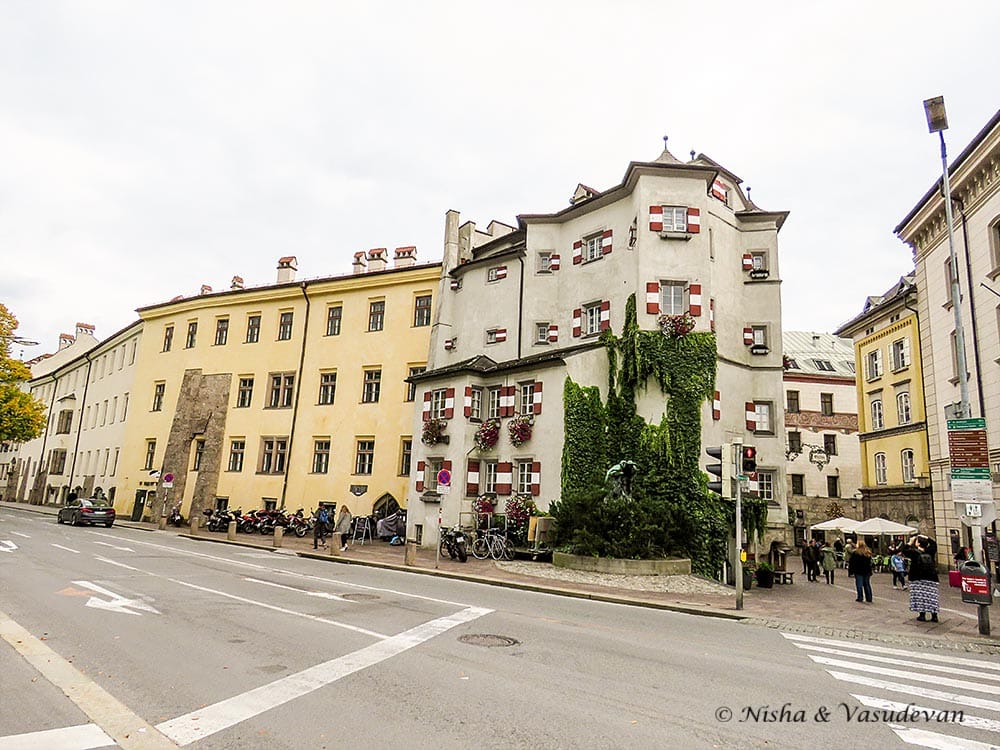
[(87, 511)]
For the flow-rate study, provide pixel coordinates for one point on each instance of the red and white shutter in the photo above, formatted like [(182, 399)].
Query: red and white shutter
[(748, 336), (501, 335), (605, 315), (606, 242), (456, 285), (467, 403), (554, 262), (536, 398), (446, 465), (426, 414), (449, 403), (472, 478), (751, 410), (747, 262), (656, 218), (694, 220), (577, 252), (501, 272), (536, 478), (504, 477), (449, 344), (653, 297), (553, 333), (719, 190), (577, 323), (421, 468), (716, 406), (694, 300), (507, 400), (711, 314)]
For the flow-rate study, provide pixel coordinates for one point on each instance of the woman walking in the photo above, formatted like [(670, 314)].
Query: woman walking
[(860, 566), (924, 584), (343, 526), (829, 562)]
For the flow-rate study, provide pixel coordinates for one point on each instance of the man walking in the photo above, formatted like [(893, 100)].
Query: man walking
[(319, 530)]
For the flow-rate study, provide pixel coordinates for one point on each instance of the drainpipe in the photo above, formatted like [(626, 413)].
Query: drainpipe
[(295, 402), (972, 309), (79, 424), (520, 306)]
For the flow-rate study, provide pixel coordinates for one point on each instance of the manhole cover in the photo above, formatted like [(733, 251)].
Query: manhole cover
[(359, 597), (489, 641)]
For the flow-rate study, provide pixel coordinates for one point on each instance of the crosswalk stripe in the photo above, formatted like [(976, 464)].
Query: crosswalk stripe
[(906, 675), (83, 737), (901, 662), (947, 658), (936, 741), (916, 691), (973, 722)]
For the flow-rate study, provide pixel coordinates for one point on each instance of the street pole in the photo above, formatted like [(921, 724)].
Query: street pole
[(737, 450)]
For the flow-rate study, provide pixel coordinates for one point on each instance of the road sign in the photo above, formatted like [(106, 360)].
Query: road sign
[(444, 477), (168, 477), (168, 485)]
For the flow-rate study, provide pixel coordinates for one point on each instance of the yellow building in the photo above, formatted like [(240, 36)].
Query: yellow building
[(891, 410), (282, 395)]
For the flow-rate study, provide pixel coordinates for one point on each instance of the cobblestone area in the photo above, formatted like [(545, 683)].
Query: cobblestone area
[(661, 584)]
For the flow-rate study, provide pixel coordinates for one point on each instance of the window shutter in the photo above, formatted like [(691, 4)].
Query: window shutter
[(652, 297), (694, 220), (449, 344), (656, 218), (719, 190), (449, 403), (747, 262), (467, 406), (472, 478), (507, 400), (577, 323), (553, 333), (605, 315), (536, 400), (694, 300), (427, 406), (501, 272), (554, 262), (456, 285), (446, 465), (606, 242), (748, 336), (504, 478), (577, 252), (906, 352), (711, 314), (421, 468), (501, 335), (536, 478), (717, 406), (751, 410)]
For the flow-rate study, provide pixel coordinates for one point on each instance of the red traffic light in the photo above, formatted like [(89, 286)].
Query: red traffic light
[(748, 460)]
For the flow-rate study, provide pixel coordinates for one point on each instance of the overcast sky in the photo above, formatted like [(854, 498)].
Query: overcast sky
[(147, 148)]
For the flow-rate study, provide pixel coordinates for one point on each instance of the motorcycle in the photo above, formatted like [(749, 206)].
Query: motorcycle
[(455, 543), (175, 518)]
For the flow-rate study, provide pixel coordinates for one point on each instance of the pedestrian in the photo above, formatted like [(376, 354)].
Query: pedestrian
[(343, 526), (815, 559), (829, 561), (962, 555), (860, 566), (838, 546), (848, 551), (925, 594), (319, 530), (898, 565), (808, 558), (805, 557)]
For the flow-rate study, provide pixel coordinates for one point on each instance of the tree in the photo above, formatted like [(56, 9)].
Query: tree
[(22, 417)]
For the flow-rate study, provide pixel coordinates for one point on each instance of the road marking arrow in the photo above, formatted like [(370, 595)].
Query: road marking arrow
[(117, 604), (7, 546), (114, 546)]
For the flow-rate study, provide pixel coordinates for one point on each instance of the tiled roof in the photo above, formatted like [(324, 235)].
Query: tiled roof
[(818, 354)]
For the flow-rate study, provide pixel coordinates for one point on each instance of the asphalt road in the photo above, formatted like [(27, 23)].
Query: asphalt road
[(146, 640)]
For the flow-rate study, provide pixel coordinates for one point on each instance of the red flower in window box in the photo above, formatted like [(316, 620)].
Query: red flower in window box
[(488, 435), (519, 429), (433, 432), (675, 326)]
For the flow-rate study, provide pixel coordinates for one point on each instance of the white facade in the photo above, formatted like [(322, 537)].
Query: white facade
[(521, 309)]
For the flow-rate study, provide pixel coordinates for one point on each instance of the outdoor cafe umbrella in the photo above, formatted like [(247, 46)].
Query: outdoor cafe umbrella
[(880, 527), (843, 523)]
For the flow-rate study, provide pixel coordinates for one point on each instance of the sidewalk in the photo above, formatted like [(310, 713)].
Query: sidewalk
[(803, 606)]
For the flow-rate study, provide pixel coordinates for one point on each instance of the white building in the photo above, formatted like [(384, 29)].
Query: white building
[(520, 309)]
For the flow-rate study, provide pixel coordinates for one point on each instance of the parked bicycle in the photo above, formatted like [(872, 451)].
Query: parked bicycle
[(492, 543)]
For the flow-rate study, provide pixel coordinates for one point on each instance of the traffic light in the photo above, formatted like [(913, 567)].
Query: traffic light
[(748, 460), (721, 469)]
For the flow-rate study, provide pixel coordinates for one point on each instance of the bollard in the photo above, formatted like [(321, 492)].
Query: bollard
[(333, 549), (279, 535), (194, 526), (410, 554), (231, 531), (162, 524)]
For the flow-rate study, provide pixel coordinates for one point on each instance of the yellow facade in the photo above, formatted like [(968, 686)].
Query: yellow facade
[(193, 416)]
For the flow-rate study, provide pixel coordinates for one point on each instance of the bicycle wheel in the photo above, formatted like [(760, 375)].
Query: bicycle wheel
[(480, 548), (496, 548), (508, 550)]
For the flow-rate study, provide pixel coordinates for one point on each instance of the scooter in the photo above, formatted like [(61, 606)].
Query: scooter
[(455, 543)]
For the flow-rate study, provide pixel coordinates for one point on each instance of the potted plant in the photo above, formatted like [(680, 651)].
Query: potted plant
[(765, 575), (433, 432), (488, 435), (675, 326), (747, 577), (519, 429)]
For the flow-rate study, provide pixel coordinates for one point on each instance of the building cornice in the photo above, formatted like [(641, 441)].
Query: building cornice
[(819, 421), (890, 432)]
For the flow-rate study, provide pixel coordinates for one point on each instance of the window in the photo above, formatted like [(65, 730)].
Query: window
[(672, 298), (411, 388), (592, 319), (405, 457), (476, 404), (900, 354), (253, 329), (158, 391), (795, 442), (65, 423), (791, 364), (285, 326), (765, 485), (880, 472), (877, 421), (826, 404), (438, 401), (675, 219), (523, 473), (947, 280), (372, 386), (282, 388), (493, 405), (192, 335), (488, 477), (798, 484), (491, 336), (903, 407), (168, 338), (199, 454), (544, 264), (830, 446), (272, 455), (376, 316), (150, 454), (759, 335), (758, 258), (763, 409), (124, 407), (422, 311), (527, 397), (541, 333), (327, 387), (333, 317), (321, 456), (245, 393), (833, 486), (57, 461), (954, 355), (592, 247), (824, 364), (221, 331), (906, 458), (874, 363), (365, 457), (792, 399), (236, 450), (431, 468)]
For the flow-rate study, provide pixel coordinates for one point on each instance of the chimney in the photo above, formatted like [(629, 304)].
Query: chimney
[(287, 267), (404, 257), (359, 262), (237, 282), (65, 339), (377, 259), (84, 329), (206, 289)]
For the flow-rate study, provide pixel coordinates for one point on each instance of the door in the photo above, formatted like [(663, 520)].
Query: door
[(140, 504)]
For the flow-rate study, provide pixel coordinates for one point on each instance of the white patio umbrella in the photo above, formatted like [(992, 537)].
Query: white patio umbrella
[(881, 526), (843, 523)]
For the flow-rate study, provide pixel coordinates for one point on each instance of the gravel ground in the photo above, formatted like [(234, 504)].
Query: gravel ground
[(683, 584)]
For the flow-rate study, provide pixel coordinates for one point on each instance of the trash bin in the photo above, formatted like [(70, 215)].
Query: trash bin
[(975, 583)]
